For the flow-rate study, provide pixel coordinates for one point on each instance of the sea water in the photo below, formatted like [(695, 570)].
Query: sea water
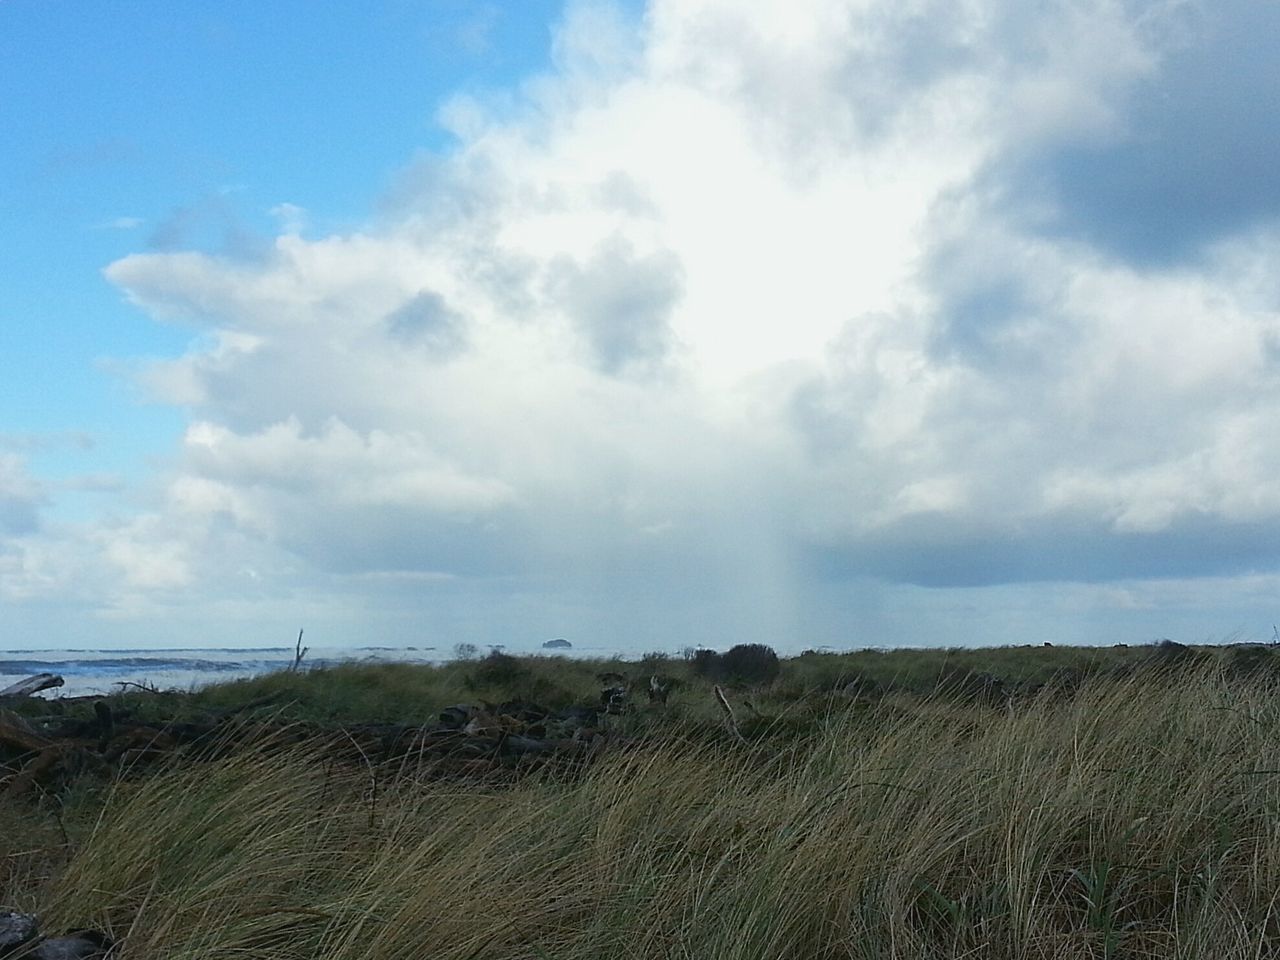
[(90, 672)]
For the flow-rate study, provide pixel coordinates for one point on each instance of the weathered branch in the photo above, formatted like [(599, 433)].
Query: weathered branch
[(299, 652), (730, 720)]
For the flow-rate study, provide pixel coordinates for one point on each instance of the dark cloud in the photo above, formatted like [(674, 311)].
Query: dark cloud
[(997, 309), (620, 303), (939, 550), (977, 324), (1195, 158), (427, 321)]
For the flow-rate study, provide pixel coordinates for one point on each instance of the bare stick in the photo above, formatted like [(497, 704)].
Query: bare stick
[(299, 651), (730, 720), (144, 686)]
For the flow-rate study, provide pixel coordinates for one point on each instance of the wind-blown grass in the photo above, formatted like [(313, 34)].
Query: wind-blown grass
[(1135, 818)]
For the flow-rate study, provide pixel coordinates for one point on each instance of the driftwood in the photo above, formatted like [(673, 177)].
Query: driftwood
[(31, 685), (298, 653), (143, 687), (486, 740), (730, 721), (15, 732)]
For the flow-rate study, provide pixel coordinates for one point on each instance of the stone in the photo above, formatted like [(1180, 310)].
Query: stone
[(15, 930), (457, 715), (614, 699), (85, 945)]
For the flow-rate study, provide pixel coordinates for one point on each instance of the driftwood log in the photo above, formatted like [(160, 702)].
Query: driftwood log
[(31, 685), (486, 740), (17, 732)]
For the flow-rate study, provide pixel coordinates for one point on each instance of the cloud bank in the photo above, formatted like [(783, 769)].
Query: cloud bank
[(752, 321)]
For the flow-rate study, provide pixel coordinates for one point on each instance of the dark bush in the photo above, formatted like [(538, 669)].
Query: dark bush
[(972, 686), (498, 669), (750, 663), (1066, 682), (1169, 654), (654, 660), (1250, 659), (855, 686), (706, 663)]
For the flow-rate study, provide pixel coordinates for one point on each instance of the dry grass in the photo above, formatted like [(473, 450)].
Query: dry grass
[(1137, 818)]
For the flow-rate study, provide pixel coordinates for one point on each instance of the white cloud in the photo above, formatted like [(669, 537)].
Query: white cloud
[(291, 217), (21, 496), (716, 299), (121, 223)]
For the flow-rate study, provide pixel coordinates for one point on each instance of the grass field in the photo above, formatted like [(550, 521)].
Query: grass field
[(1097, 803)]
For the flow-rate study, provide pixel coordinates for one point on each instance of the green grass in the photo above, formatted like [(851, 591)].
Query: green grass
[(1132, 815)]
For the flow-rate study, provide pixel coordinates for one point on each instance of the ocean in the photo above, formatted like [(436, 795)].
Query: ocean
[(90, 672)]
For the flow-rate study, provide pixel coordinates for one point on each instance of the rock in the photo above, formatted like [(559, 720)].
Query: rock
[(558, 644), (578, 716), (614, 699), (520, 745), (18, 932), (457, 715), (15, 930), (85, 945)]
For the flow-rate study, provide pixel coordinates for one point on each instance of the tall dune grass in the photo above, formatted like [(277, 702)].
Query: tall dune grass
[(1138, 817)]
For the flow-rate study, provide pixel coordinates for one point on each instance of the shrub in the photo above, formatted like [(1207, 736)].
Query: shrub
[(750, 663), (498, 669), (972, 686), (706, 663)]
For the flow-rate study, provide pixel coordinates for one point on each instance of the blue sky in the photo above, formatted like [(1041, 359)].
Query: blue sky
[(148, 126), (815, 322)]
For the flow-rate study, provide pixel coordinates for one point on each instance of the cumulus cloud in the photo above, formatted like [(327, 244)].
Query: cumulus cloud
[(745, 305)]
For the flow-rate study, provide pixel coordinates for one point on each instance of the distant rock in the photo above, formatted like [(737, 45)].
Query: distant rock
[(560, 643)]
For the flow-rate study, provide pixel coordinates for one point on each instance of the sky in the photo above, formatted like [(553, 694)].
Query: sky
[(803, 322)]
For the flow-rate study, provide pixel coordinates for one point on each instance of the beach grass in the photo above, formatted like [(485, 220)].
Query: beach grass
[(1127, 808)]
